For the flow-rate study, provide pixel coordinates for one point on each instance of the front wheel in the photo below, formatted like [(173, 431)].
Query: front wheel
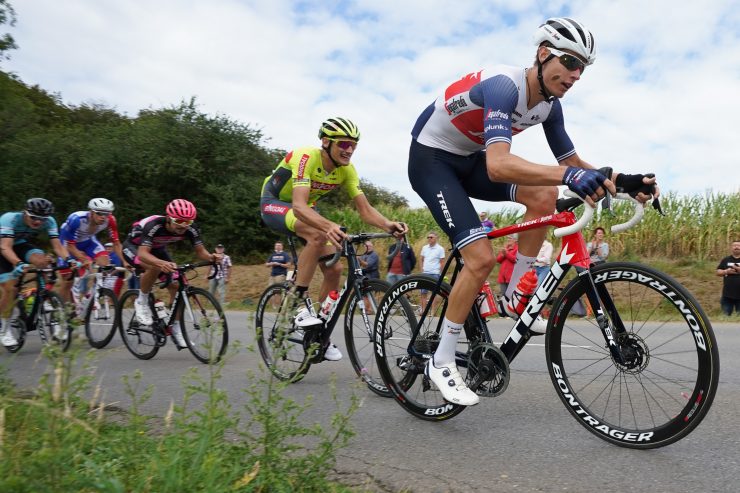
[(358, 334), (279, 340), (203, 325), (100, 318), (662, 383)]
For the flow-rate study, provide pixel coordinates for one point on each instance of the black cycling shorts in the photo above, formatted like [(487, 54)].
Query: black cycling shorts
[(130, 254), (446, 182)]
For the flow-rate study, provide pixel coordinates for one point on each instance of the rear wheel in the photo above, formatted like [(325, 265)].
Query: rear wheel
[(52, 322), (140, 340), (402, 366), (203, 325), (100, 318), (279, 340), (662, 384)]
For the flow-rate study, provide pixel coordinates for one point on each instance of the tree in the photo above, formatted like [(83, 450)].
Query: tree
[(7, 16)]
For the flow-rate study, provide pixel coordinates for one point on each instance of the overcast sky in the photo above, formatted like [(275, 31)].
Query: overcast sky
[(662, 95)]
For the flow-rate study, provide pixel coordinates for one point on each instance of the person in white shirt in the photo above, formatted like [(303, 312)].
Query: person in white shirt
[(543, 260), (432, 261)]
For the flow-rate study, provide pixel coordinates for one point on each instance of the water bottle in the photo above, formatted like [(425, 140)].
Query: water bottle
[(328, 305), (523, 292), (29, 297), (486, 306), (161, 310)]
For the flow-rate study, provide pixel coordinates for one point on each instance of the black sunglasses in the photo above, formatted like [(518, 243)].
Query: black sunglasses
[(571, 62)]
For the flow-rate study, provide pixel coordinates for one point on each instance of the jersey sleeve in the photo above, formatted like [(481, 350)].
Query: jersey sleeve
[(557, 138), (69, 228), (51, 227), (300, 165), (193, 234), (352, 182), (7, 229), (498, 96), (113, 228)]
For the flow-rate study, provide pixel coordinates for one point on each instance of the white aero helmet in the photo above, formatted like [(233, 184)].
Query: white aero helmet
[(100, 205), (567, 34)]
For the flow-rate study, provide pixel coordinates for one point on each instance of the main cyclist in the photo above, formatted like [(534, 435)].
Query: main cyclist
[(461, 148), (145, 248), (288, 206), (79, 235), (17, 231)]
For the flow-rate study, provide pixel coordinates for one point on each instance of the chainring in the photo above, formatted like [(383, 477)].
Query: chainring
[(488, 370)]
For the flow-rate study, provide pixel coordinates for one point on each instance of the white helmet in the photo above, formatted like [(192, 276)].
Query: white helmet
[(566, 34), (100, 205)]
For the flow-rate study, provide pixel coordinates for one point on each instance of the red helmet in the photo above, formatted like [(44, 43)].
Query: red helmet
[(182, 209)]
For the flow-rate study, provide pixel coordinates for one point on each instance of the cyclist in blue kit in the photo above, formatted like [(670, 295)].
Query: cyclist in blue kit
[(461, 149)]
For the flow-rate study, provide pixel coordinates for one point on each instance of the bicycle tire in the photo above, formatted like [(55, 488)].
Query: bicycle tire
[(665, 389), (53, 325), (203, 326), (279, 340), (18, 328), (100, 318), (394, 328), (140, 342), (359, 338)]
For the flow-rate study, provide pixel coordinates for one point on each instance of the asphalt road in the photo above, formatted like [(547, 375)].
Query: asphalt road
[(523, 440)]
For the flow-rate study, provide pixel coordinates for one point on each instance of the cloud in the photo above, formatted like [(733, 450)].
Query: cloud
[(660, 98)]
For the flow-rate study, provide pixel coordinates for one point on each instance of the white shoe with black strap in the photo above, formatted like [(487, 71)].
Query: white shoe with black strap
[(451, 384)]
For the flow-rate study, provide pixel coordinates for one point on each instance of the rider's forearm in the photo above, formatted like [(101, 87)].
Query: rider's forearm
[(311, 217), (511, 168)]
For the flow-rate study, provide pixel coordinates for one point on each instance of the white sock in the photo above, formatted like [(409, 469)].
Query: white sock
[(523, 264), (3, 325), (143, 298), (445, 353)]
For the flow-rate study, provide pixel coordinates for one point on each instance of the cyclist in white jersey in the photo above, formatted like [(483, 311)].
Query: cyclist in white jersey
[(461, 148)]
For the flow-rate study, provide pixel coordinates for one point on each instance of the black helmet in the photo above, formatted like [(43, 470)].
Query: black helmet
[(39, 207)]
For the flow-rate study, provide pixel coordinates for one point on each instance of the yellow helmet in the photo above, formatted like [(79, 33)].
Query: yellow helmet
[(339, 127)]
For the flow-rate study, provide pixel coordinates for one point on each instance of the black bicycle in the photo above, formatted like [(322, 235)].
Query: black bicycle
[(640, 371), (199, 315), (38, 308), (289, 351), (97, 307)]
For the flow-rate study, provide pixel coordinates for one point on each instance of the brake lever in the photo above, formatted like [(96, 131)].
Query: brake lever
[(657, 207)]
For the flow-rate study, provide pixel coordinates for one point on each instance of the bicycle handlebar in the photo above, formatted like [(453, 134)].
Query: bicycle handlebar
[(588, 214), (358, 238)]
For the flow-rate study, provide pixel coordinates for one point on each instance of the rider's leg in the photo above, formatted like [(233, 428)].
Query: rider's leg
[(479, 262), (332, 275), (309, 257), (540, 201)]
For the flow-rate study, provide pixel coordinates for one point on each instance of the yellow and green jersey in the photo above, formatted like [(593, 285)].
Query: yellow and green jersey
[(303, 168)]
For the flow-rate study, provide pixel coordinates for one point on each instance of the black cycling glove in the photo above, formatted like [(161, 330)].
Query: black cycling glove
[(633, 185)]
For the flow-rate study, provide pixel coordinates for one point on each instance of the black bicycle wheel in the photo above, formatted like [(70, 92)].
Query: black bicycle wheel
[(402, 367), (203, 325), (140, 340), (52, 322), (100, 318), (280, 342), (358, 335), (17, 327), (668, 377)]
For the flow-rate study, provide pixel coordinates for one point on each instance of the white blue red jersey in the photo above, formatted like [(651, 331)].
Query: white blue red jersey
[(489, 106), (78, 228)]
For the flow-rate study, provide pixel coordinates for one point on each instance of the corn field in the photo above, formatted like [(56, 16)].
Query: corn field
[(695, 228)]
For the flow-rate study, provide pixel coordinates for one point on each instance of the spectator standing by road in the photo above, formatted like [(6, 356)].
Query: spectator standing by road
[(543, 260), (370, 261), (597, 248), (278, 263), (432, 261), (485, 222), (729, 270), (401, 261), (507, 258), (219, 275)]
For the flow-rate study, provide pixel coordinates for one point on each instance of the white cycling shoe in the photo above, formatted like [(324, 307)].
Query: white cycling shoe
[(332, 353), (538, 328), (143, 313), (304, 318), (8, 339), (451, 384)]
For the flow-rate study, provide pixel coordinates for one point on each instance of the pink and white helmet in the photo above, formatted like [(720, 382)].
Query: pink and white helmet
[(567, 34), (182, 209)]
